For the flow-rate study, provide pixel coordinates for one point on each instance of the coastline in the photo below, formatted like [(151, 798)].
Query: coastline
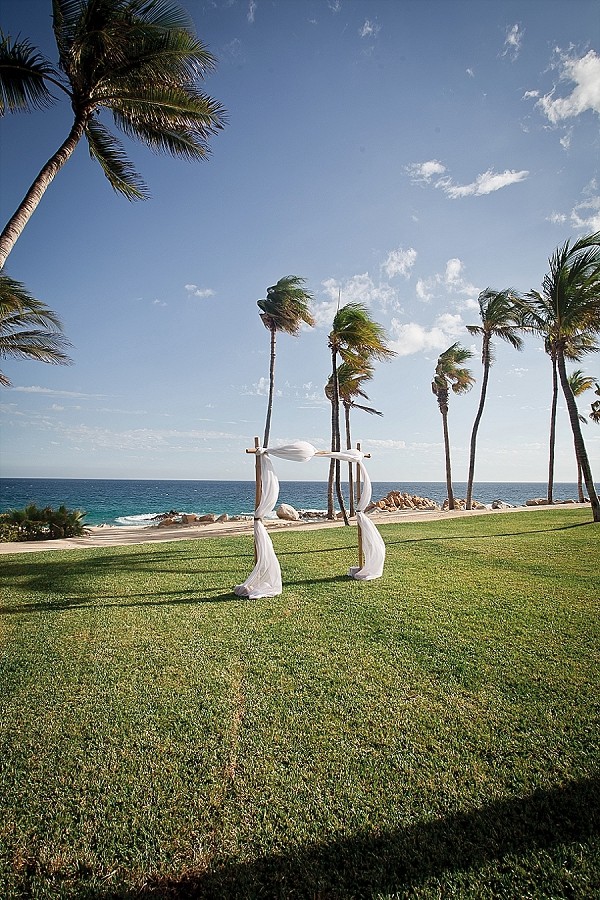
[(118, 536)]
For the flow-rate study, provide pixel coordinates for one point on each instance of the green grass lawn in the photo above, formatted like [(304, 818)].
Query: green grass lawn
[(431, 734)]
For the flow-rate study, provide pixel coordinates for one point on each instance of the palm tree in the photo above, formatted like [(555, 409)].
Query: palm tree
[(284, 309), (575, 348), (138, 58), (579, 383), (595, 411), (351, 376), (567, 307), (354, 336), (499, 319), (28, 329), (449, 373)]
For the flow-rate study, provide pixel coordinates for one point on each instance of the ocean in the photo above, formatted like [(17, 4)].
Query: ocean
[(136, 502)]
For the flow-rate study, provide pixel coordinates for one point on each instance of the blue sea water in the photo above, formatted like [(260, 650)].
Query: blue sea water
[(136, 502)]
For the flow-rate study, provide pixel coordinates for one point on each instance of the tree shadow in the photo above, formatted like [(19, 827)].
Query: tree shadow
[(165, 598), (392, 861)]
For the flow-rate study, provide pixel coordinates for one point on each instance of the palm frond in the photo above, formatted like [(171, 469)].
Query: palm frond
[(23, 77), (286, 306), (108, 151), (19, 311)]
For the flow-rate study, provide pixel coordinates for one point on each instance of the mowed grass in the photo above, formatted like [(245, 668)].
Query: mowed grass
[(431, 734)]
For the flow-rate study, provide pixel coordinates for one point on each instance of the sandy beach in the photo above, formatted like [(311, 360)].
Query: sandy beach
[(108, 536)]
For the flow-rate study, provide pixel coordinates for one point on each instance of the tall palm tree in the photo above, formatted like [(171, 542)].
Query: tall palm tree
[(285, 308), (28, 328), (351, 376), (450, 374), (141, 60), (499, 319), (353, 336), (579, 384), (568, 306)]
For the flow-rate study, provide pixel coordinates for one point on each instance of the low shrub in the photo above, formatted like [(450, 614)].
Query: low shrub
[(35, 524)]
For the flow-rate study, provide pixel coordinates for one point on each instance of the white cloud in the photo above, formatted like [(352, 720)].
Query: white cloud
[(387, 445), (470, 73), (513, 41), (358, 289), (400, 262), (369, 29), (36, 389), (259, 389), (529, 95), (195, 291), (486, 183), (585, 73), (451, 282), (587, 214), (557, 218), (565, 141), (424, 172), (423, 290), (411, 337), (453, 269), (251, 11)]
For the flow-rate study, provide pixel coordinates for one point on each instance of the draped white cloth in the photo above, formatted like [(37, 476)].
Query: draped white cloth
[(265, 578)]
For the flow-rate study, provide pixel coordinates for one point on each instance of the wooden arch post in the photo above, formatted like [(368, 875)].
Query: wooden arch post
[(360, 543)]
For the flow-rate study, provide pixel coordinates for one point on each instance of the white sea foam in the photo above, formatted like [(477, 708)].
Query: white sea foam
[(143, 519)]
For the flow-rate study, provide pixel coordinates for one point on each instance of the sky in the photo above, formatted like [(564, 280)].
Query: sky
[(406, 154)]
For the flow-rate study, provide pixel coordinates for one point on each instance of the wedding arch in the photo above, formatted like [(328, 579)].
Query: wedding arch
[(265, 578)]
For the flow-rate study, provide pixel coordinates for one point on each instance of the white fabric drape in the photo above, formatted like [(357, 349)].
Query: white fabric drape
[(265, 578)]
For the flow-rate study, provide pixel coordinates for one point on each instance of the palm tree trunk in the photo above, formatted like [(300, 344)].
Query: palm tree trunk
[(27, 207), (448, 467), (550, 492), (334, 407), (484, 383), (271, 386), (580, 495), (335, 445), (580, 451), (350, 465)]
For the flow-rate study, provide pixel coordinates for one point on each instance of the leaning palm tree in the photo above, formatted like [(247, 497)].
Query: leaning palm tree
[(574, 349), (353, 336), (28, 329), (141, 60), (351, 376), (285, 308), (568, 306), (579, 384), (450, 374), (499, 319)]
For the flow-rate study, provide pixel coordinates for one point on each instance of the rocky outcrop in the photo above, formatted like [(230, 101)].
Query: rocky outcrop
[(460, 503), (164, 520), (501, 504), (537, 501), (287, 513), (397, 500)]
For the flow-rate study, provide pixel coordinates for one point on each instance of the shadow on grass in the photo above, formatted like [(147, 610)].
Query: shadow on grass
[(166, 598), (375, 861)]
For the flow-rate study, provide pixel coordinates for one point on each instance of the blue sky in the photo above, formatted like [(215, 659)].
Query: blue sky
[(404, 154)]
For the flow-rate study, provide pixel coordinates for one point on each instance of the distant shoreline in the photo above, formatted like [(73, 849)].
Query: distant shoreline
[(118, 536)]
